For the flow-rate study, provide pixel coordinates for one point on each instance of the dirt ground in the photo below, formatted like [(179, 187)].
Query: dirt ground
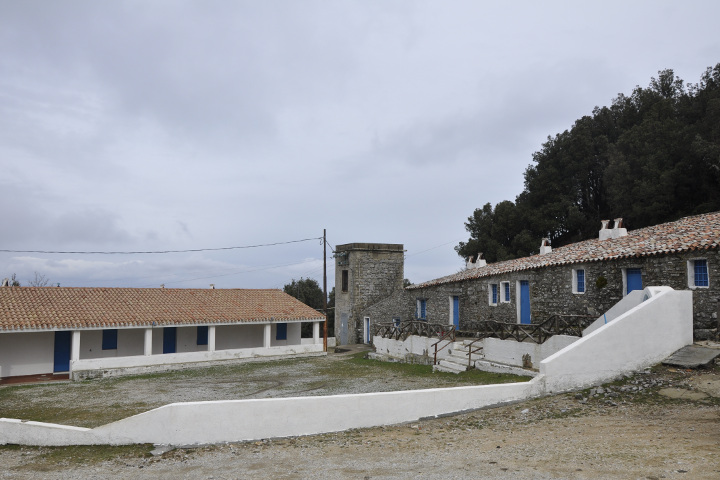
[(662, 423)]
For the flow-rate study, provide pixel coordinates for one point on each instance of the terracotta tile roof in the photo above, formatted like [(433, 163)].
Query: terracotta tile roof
[(700, 232), (43, 308)]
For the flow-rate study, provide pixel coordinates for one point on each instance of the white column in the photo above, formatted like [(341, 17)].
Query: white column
[(211, 338), (316, 332), (148, 341), (266, 336), (75, 348)]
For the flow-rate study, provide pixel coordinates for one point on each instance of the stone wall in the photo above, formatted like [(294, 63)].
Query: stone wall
[(551, 292), (375, 272)]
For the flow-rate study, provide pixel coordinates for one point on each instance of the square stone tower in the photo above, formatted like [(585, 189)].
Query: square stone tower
[(365, 273)]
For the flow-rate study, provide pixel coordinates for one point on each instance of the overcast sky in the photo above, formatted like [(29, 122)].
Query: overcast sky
[(176, 125)]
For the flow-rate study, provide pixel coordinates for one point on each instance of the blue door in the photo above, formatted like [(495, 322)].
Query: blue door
[(634, 279), (456, 311), (63, 341), (524, 301), (169, 339)]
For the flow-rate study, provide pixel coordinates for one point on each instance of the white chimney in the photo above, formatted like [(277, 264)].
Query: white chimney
[(618, 230), (545, 246), (605, 232), (471, 263)]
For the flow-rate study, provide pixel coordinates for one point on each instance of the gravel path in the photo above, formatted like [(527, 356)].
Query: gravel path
[(624, 430)]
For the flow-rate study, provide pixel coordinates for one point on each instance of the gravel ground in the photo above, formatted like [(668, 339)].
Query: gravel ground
[(663, 423)]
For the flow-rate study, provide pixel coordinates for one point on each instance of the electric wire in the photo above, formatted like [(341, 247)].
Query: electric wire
[(191, 250)]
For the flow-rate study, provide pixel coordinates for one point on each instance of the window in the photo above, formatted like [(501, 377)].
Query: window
[(493, 294), (281, 331), (698, 273), (202, 335), (632, 279), (578, 280), (422, 309), (505, 292), (109, 339), (344, 280)]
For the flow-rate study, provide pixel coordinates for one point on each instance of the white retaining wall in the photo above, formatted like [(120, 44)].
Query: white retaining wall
[(637, 339), (143, 364), (414, 344), (511, 352)]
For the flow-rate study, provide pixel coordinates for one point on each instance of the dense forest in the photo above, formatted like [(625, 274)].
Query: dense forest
[(650, 157)]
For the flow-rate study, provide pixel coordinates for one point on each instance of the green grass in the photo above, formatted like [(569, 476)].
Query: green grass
[(47, 459), (63, 403)]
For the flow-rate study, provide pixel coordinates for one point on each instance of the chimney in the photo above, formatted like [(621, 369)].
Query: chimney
[(545, 246), (472, 263), (605, 232), (618, 230), (6, 282), (212, 286)]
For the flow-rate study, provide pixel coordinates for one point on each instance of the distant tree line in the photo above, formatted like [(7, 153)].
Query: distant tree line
[(650, 157), (308, 291)]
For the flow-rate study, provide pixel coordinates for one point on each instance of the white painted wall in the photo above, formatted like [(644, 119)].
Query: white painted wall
[(26, 353), (511, 352), (130, 342), (414, 344), (239, 420), (639, 338), (138, 364), (238, 336), (293, 335)]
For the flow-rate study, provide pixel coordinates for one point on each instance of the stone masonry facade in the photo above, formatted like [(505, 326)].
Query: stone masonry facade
[(365, 274), (551, 292)]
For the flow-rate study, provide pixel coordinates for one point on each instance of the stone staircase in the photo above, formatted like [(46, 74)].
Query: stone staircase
[(457, 360)]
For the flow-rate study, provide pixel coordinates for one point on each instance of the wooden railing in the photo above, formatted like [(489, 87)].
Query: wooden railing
[(449, 336), (533, 332), (403, 330)]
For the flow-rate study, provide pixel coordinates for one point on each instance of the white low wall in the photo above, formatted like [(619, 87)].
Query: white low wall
[(511, 352), (639, 338), (142, 363), (239, 420), (412, 345)]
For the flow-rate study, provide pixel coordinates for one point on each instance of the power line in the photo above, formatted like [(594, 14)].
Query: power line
[(159, 251)]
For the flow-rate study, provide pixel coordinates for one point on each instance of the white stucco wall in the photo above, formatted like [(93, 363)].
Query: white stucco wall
[(130, 342), (26, 353), (293, 335), (142, 363), (511, 352), (414, 344), (238, 336), (238, 420), (629, 301), (639, 338)]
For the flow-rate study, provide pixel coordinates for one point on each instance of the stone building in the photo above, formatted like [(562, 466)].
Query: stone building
[(365, 273), (584, 278)]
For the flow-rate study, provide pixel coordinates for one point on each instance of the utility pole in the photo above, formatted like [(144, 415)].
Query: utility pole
[(324, 292)]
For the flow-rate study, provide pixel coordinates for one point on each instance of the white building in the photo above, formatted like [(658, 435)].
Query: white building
[(86, 332)]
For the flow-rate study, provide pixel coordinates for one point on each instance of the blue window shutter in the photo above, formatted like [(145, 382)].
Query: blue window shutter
[(281, 331), (634, 279), (423, 309), (701, 273), (494, 293), (507, 292), (580, 281), (202, 335), (109, 339)]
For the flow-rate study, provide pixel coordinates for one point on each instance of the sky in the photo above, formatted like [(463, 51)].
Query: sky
[(241, 129)]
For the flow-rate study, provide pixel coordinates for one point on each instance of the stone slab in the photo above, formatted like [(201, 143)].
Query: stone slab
[(692, 356)]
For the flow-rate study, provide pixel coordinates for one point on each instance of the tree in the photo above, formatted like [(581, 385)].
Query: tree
[(650, 157), (39, 281), (309, 292), (13, 281)]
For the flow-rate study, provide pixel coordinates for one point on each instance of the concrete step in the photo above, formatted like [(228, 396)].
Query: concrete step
[(452, 366), (692, 356)]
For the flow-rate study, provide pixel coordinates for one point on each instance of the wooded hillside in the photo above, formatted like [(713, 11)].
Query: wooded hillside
[(650, 157)]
